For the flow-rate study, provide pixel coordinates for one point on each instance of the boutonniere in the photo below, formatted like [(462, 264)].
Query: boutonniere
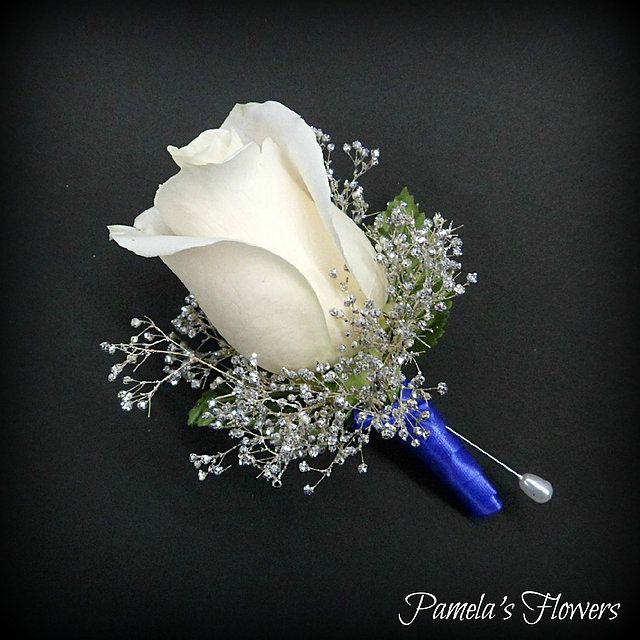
[(307, 314)]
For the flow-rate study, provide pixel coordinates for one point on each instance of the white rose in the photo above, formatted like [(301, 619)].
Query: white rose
[(248, 225)]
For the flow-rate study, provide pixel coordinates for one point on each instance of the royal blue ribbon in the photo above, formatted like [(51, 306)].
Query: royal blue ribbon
[(446, 455)]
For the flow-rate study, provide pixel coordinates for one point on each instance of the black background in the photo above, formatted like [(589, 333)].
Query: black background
[(518, 121)]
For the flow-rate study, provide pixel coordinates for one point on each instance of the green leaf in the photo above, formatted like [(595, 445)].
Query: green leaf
[(405, 197), (436, 327), (196, 417), (356, 381)]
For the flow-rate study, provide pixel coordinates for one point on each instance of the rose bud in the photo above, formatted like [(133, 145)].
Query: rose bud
[(248, 226)]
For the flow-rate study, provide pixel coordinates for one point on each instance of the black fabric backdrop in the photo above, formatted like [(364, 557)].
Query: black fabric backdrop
[(517, 121)]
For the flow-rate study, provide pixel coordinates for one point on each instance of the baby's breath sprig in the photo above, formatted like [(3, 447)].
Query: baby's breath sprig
[(306, 416), (348, 195), (182, 360)]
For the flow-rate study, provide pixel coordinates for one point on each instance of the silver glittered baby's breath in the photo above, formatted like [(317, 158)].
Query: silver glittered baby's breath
[(305, 417)]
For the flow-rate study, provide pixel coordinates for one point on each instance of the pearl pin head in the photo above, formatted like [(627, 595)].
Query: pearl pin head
[(537, 488)]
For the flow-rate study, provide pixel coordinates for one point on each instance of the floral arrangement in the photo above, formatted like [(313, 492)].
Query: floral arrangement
[(306, 314)]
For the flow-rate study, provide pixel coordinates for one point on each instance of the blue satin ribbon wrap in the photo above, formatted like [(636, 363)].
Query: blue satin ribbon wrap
[(446, 455)]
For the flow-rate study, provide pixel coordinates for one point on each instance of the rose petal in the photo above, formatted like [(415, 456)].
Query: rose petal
[(361, 258), (150, 237), (256, 121), (211, 146), (258, 302), (248, 293)]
